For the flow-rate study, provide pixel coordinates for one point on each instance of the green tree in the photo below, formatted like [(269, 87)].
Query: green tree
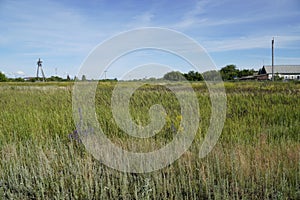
[(3, 78), (174, 76), (19, 79), (83, 78), (277, 77), (193, 76), (229, 72), (211, 75), (55, 78), (245, 72)]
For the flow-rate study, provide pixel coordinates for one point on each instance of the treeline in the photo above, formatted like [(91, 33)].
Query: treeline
[(3, 78), (229, 72)]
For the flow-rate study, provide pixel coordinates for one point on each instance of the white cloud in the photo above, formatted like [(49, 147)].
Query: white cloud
[(64, 34), (146, 17), (21, 73), (287, 60), (211, 13), (142, 20), (250, 42), (52, 27), (192, 17)]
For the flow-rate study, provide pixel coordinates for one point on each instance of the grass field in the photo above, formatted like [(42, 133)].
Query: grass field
[(256, 157)]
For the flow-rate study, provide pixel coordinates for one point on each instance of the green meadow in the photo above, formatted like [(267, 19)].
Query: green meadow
[(256, 157)]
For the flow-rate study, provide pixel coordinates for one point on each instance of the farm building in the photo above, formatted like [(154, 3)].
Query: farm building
[(258, 77), (287, 72)]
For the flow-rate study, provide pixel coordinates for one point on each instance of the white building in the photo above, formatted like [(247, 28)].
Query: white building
[(287, 72)]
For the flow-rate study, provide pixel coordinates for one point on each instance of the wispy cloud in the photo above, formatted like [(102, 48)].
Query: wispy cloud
[(64, 32), (143, 19), (50, 27), (216, 13), (192, 17), (250, 43)]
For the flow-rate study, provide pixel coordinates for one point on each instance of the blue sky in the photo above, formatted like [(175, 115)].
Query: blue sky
[(63, 33)]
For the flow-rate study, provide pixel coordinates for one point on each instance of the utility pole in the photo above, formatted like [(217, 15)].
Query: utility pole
[(273, 60)]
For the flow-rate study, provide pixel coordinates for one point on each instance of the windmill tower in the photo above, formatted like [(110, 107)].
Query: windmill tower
[(39, 68)]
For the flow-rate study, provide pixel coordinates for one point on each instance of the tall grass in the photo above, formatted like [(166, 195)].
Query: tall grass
[(257, 156)]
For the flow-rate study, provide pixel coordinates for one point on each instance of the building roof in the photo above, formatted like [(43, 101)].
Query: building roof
[(283, 69)]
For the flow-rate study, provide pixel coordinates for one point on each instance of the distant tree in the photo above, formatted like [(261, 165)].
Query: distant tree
[(83, 78), (193, 76), (152, 79), (19, 80), (55, 78), (245, 72), (68, 78), (174, 76), (277, 77), (3, 78), (211, 75), (229, 72)]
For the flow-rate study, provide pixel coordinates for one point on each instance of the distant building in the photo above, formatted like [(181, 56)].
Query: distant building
[(287, 72), (258, 77), (29, 78)]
